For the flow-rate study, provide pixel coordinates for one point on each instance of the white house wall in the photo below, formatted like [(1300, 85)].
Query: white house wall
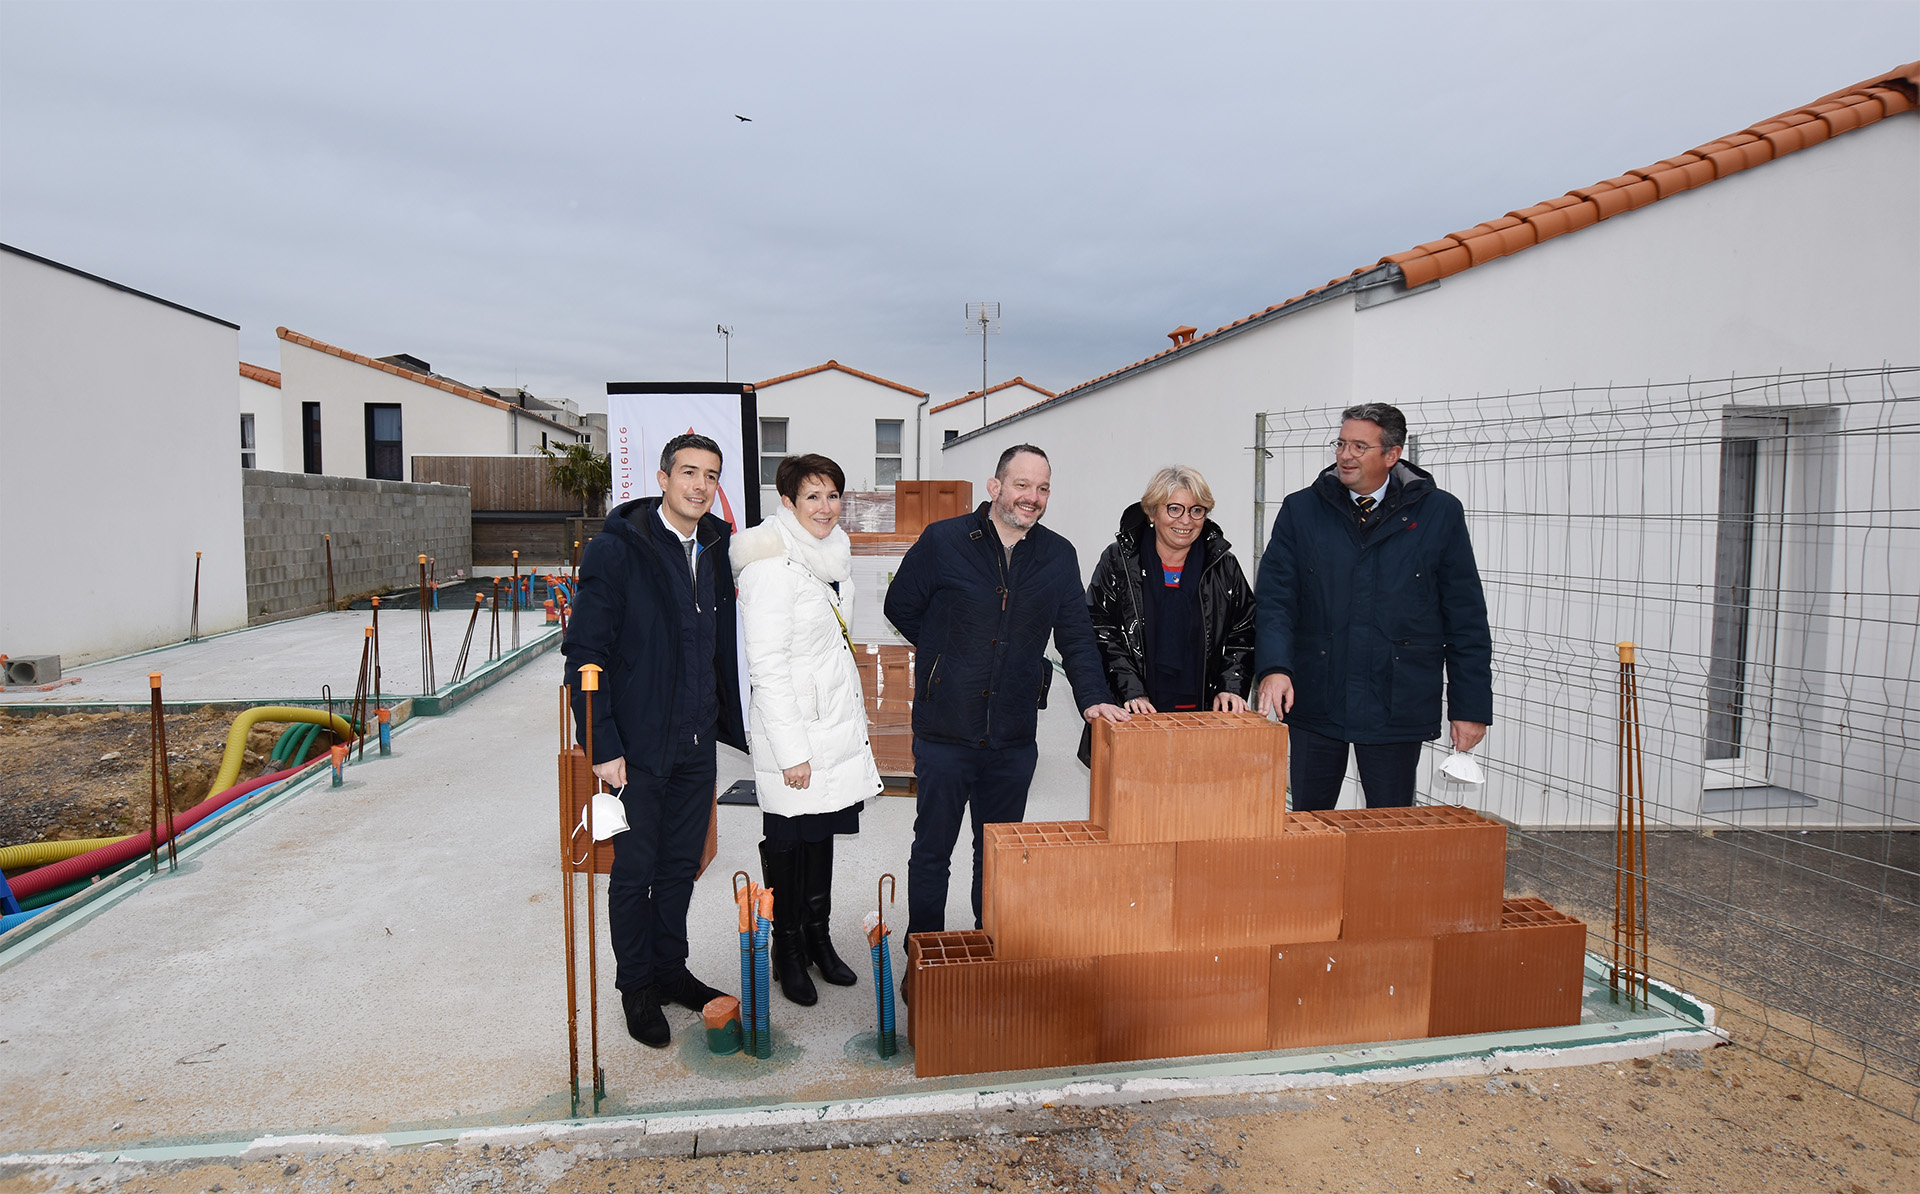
[(433, 422), (122, 429), (1796, 265), (833, 414), (263, 402)]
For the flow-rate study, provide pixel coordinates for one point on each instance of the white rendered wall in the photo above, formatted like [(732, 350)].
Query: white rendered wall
[(121, 426), (264, 402), (833, 413), (966, 417), (1808, 262), (433, 422)]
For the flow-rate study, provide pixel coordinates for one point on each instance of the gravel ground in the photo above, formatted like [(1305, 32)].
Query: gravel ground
[(1824, 925), (1726, 1120), (81, 775)]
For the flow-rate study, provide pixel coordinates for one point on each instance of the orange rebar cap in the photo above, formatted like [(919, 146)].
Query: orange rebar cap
[(153, 679), (1626, 652), (590, 677)]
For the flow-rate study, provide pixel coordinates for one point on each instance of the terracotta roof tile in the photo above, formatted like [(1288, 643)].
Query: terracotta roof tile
[(836, 365), (970, 395), (1844, 110), (425, 379), (264, 376)]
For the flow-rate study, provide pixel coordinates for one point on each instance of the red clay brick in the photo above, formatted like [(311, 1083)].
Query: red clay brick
[(1528, 973), (1414, 872), (1181, 1004), (1168, 777), (1054, 889), (1349, 992)]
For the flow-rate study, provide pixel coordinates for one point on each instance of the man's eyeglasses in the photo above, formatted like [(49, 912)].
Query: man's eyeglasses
[(1197, 513), (1342, 446)]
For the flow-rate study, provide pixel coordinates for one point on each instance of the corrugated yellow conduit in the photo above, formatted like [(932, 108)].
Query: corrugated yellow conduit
[(34, 854)]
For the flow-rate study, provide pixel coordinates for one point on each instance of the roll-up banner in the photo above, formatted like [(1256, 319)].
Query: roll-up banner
[(643, 415)]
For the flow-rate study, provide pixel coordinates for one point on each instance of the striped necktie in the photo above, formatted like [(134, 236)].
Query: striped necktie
[(1366, 505)]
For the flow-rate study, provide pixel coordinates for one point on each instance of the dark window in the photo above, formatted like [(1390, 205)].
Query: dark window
[(384, 461), (246, 441), (310, 436), (951, 436), (773, 448)]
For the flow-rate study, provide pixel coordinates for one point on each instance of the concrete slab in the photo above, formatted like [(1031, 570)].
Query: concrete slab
[(288, 661), (384, 960)]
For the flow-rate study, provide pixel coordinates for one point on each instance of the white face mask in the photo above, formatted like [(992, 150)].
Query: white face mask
[(609, 816), (1461, 768)]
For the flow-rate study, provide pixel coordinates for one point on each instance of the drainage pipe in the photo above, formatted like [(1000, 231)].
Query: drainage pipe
[(33, 854), (237, 736), (127, 849)]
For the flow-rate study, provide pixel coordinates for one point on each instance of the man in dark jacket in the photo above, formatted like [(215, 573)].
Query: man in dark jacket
[(977, 596), (655, 612), (1368, 594)]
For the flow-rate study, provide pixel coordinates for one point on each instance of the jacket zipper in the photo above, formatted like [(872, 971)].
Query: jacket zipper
[(1000, 556)]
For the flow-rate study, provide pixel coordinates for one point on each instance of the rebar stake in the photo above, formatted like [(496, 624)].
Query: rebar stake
[(1630, 944), (516, 601), (159, 783), (193, 626)]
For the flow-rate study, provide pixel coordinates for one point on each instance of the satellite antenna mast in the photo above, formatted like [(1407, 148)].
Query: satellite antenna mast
[(983, 320), (726, 339)]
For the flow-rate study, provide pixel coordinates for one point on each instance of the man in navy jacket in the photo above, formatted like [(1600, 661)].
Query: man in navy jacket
[(977, 596), (655, 611), (1368, 594)]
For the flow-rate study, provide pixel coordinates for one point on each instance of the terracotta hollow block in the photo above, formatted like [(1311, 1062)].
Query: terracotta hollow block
[(972, 1013), (1181, 1004), (1056, 889), (576, 779), (1260, 891), (1173, 777), (1528, 973), (1415, 872), (1347, 992)]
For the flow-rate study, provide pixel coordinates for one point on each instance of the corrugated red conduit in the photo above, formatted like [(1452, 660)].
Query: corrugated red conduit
[(80, 866)]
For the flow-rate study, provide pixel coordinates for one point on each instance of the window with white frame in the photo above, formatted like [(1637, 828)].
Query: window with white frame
[(886, 452), (246, 441), (773, 448)]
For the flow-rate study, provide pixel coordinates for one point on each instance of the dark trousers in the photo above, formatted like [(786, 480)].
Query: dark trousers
[(1316, 765), (654, 863), (949, 780)]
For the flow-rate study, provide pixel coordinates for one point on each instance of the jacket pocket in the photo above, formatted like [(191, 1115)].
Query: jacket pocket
[(1312, 674), (1046, 682), (933, 678), (1419, 672)]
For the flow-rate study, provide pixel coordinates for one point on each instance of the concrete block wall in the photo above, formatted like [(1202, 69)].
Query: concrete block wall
[(379, 530)]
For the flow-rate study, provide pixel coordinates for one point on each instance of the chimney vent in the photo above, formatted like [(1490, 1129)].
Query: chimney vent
[(1182, 336)]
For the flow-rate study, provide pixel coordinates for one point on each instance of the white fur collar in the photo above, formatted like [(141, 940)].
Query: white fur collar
[(830, 559)]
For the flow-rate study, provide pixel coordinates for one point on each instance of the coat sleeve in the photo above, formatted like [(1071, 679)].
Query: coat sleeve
[(767, 597), (593, 636), (1277, 600), (1463, 613), (1073, 635), (1236, 649), (911, 590), (1106, 609)]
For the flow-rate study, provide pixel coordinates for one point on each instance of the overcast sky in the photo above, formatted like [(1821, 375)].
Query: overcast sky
[(560, 194)]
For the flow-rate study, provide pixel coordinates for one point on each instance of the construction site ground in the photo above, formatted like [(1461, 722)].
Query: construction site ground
[(382, 962)]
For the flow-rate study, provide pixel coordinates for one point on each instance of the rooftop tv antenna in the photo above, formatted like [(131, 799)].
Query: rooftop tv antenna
[(983, 320), (726, 338)]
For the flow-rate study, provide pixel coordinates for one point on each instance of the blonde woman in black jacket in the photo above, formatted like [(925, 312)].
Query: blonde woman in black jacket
[(1172, 612)]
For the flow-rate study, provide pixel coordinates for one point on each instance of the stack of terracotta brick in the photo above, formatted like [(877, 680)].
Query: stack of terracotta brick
[(886, 675), (1191, 914)]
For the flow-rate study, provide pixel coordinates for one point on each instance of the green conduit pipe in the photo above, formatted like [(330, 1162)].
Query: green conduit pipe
[(55, 895), (33, 854), (237, 736), (283, 746)]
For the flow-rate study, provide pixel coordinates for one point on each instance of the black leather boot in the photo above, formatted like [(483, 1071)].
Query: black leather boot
[(780, 870), (816, 876)]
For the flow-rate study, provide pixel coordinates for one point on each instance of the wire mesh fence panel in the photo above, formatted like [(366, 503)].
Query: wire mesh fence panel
[(1758, 538)]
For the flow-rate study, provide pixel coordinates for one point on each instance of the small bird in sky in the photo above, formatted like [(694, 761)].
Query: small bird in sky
[(743, 119)]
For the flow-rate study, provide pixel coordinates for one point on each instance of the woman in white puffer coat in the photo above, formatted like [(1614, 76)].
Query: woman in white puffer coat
[(813, 768)]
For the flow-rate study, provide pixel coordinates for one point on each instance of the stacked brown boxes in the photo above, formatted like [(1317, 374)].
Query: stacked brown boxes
[(1192, 914)]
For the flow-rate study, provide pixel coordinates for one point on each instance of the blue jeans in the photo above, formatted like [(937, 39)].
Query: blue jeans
[(654, 864), (949, 779), (1316, 765)]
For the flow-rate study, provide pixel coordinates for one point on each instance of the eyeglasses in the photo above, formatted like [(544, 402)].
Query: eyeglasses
[(1342, 446), (1197, 513)]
